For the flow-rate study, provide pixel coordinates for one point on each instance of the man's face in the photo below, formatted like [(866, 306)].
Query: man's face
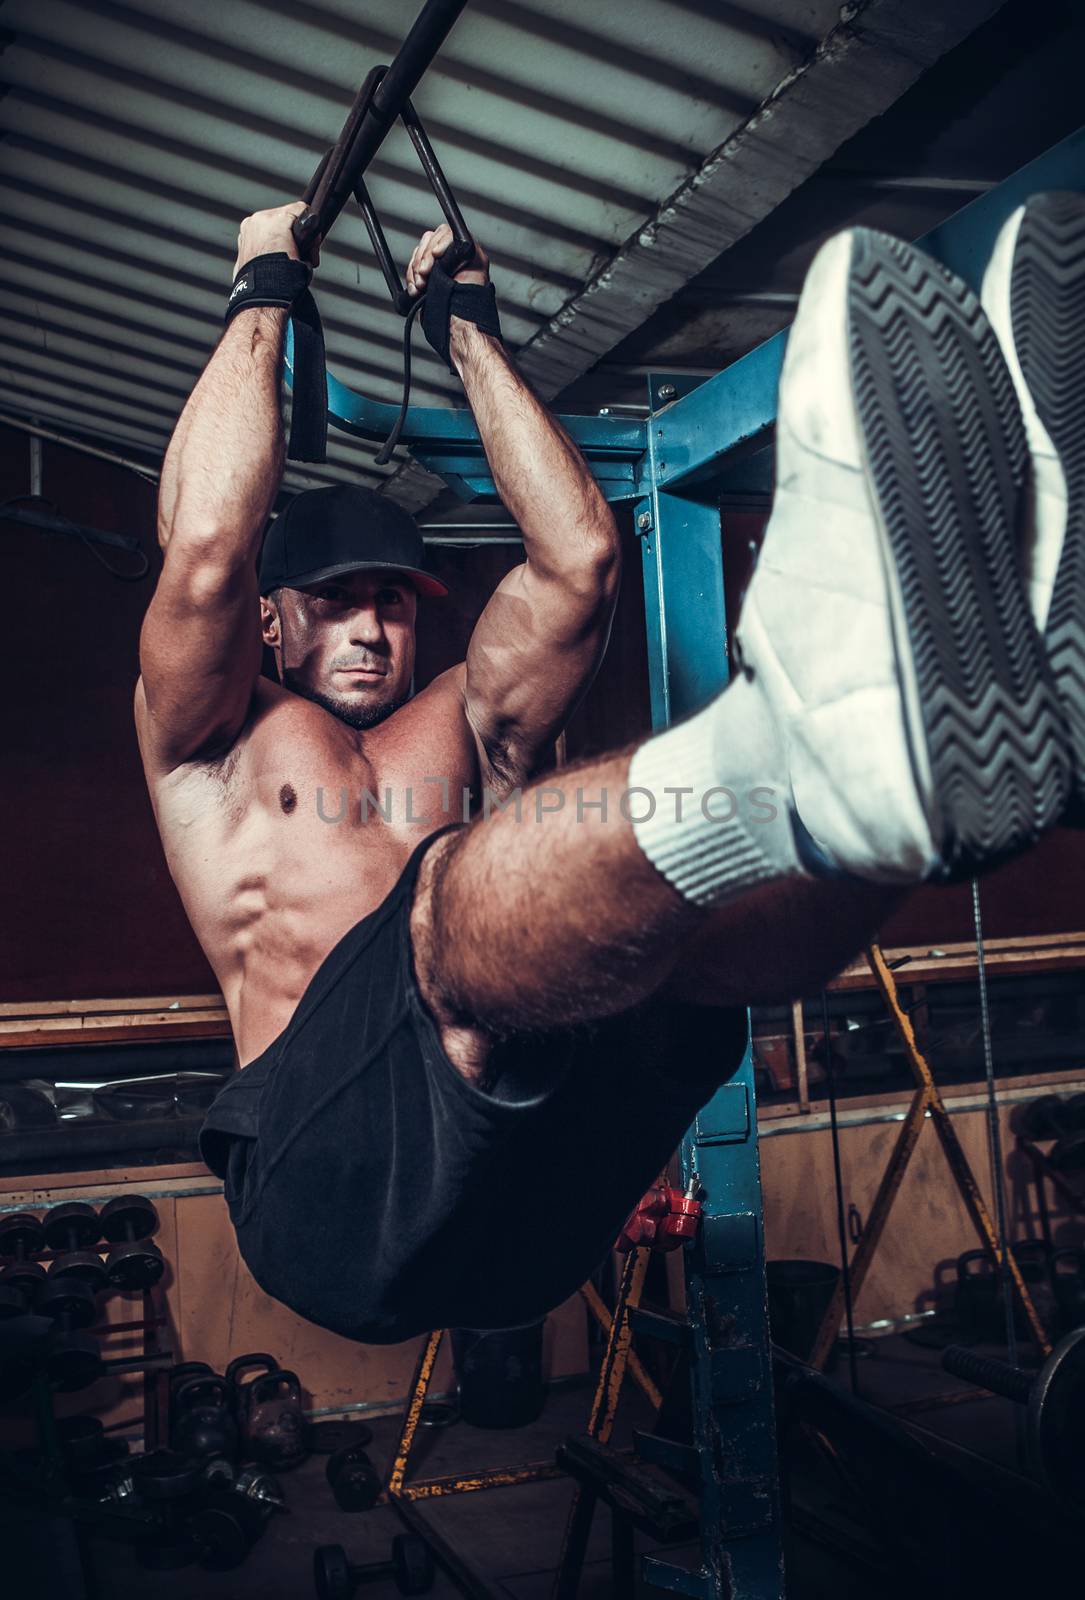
[(347, 643)]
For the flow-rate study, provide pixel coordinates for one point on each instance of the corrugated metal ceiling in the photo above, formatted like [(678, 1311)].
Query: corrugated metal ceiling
[(136, 136)]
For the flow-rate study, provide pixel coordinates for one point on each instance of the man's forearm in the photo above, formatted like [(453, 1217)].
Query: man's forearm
[(538, 471), (225, 460)]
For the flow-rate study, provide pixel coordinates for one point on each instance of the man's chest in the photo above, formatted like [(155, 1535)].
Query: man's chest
[(296, 793)]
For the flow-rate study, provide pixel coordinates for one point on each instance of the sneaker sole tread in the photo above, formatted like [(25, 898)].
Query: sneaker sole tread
[(946, 449)]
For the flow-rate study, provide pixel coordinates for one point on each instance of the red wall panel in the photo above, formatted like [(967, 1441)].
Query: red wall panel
[(87, 907)]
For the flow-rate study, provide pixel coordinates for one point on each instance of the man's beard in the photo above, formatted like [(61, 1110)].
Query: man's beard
[(355, 716)]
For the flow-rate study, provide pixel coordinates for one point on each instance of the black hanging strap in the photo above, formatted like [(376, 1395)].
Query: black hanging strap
[(279, 280)]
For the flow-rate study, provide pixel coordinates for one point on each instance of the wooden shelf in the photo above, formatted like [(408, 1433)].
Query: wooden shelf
[(952, 962), (24, 1024)]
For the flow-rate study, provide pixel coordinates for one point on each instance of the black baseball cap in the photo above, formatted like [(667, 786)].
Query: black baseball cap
[(325, 532)]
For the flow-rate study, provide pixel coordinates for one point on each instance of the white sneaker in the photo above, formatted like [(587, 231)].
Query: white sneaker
[(1034, 294), (886, 621)]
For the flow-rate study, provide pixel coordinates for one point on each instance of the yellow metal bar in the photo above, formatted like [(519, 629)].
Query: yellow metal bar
[(958, 1161), (419, 1389), (493, 1478), (888, 1189), (597, 1306), (616, 1358), (601, 1421)]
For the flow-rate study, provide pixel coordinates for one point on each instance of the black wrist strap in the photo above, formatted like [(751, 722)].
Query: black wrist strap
[(280, 280), (445, 298)]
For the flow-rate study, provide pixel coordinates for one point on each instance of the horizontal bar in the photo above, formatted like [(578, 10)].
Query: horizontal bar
[(373, 112)]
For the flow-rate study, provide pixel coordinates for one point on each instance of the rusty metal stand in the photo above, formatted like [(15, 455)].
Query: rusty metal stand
[(601, 1423), (927, 1102), (405, 1495)]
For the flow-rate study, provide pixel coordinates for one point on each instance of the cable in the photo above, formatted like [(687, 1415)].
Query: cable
[(838, 1179), (384, 454), (994, 1151), (77, 532)]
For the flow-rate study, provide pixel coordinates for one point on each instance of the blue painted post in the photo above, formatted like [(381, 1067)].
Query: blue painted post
[(734, 1434)]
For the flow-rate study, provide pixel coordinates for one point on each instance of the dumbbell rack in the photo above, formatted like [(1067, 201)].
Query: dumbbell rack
[(153, 1359)]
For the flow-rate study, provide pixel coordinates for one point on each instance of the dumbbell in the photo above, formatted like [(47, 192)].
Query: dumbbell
[(76, 1276), (90, 1457), (411, 1569), (213, 1532), (71, 1232), (134, 1262), (73, 1359), (353, 1479), (163, 1479), (21, 1238)]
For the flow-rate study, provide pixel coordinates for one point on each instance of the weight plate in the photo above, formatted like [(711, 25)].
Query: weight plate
[(27, 1277), (80, 1437), (129, 1212), (72, 1226), (331, 1573), (134, 1266), (436, 1414), (85, 1266), (22, 1231), (71, 1298), (413, 1562), (74, 1362), (1056, 1414), (164, 1475), (219, 1537)]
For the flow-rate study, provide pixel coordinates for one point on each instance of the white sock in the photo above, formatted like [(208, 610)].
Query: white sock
[(735, 829)]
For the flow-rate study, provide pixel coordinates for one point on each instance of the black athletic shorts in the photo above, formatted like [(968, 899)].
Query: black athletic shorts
[(379, 1194)]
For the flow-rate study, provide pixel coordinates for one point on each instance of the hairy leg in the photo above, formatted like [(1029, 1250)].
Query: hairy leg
[(554, 915), (778, 942)]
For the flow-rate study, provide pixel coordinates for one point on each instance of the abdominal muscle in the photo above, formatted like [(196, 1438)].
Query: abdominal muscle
[(277, 856)]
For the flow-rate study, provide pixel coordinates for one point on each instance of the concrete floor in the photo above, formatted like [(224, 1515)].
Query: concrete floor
[(513, 1536)]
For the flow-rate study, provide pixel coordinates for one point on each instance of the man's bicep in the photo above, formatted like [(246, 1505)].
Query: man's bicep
[(200, 652), (533, 653)]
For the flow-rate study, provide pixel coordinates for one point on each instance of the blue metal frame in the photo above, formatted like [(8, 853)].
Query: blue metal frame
[(446, 440), (676, 468), (731, 1366), (707, 437)]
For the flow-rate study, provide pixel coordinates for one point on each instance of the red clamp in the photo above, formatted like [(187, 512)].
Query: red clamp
[(663, 1220)]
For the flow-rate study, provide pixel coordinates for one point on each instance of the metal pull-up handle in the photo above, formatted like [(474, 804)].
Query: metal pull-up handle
[(383, 97), (461, 249)]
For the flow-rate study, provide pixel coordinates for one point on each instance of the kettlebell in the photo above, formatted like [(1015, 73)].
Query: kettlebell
[(269, 1412), (202, 1423)]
